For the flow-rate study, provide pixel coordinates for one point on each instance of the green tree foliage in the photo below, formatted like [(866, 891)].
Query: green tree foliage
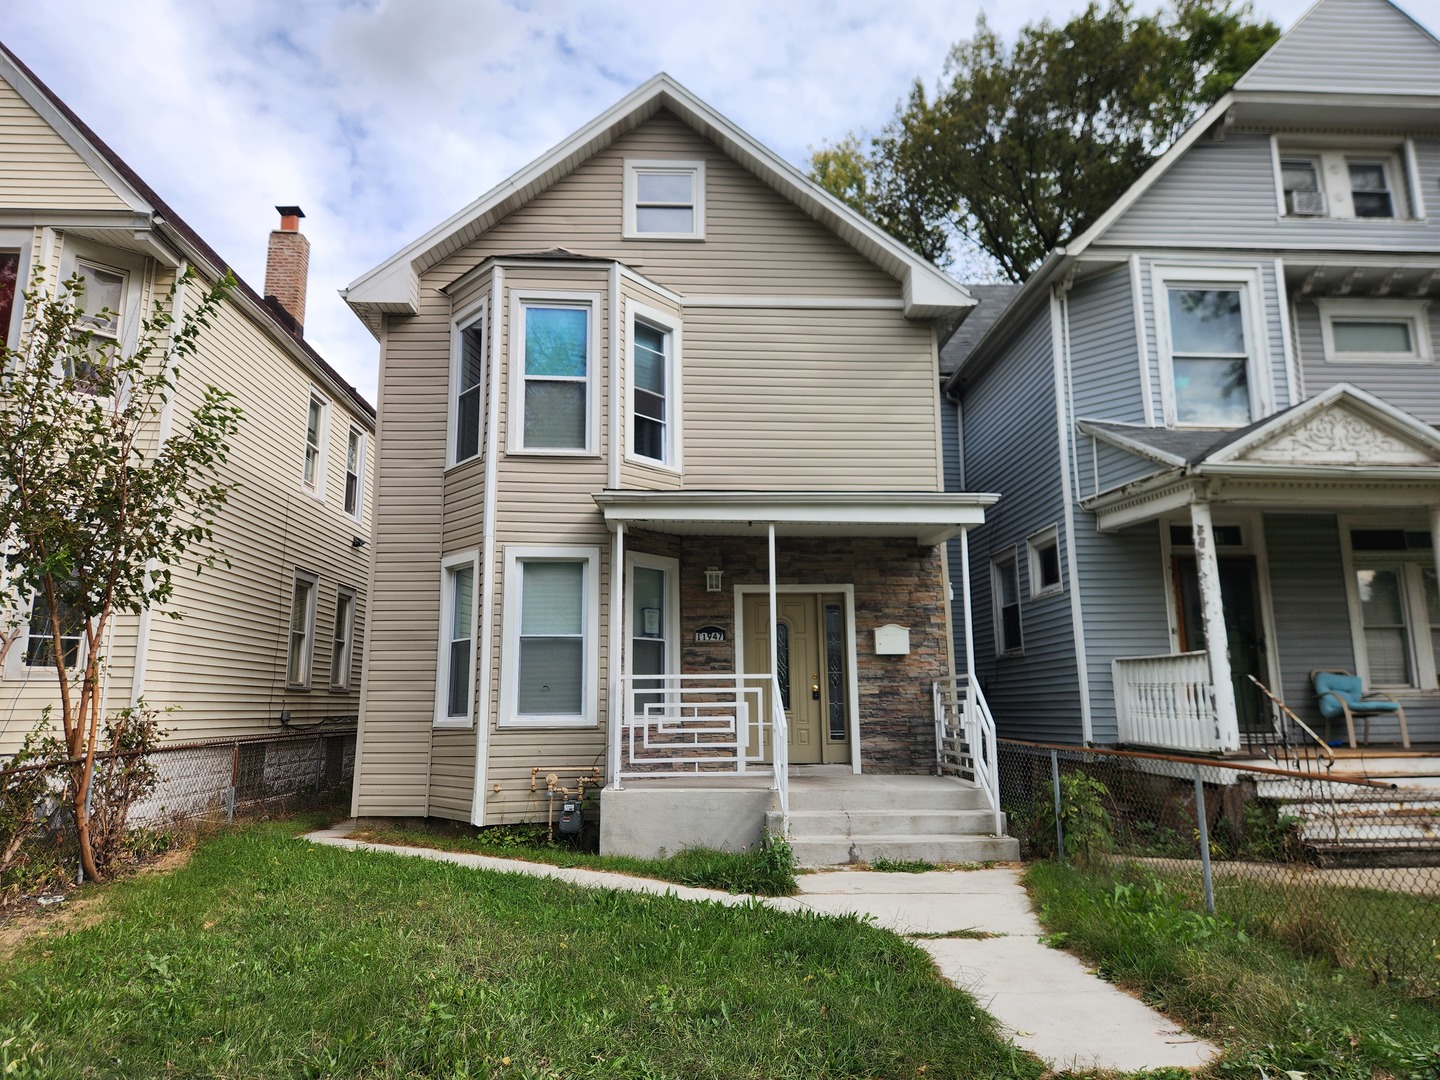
[(98, 505), (1022, 146)]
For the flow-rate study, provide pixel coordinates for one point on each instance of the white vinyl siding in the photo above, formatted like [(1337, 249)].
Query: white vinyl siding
[(301, 649), (551, 637), (455, 668)]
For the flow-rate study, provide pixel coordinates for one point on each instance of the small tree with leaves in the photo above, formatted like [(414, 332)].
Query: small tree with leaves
[(99, 506)]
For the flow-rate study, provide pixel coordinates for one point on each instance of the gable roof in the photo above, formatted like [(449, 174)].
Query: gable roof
[(394, 285), (143, 200), (1322, 53), (991, 302)]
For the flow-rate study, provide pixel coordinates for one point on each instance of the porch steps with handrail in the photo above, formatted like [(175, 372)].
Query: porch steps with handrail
[(840, 819)]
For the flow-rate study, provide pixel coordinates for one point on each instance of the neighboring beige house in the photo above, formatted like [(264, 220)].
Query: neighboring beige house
[(275, 638), (660, 347)]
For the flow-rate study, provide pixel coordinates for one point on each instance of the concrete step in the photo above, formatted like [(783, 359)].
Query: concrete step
[(938, 848), (806, 823), (942, 793)]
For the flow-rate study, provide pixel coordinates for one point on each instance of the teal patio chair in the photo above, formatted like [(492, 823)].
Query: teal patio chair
[(1341, 694)]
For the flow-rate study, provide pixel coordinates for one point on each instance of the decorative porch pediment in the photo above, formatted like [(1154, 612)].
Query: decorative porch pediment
[(1342, 426)]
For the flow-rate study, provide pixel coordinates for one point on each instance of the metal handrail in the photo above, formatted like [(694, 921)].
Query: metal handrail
[(780, 754), (976, 729), (1319, 742)]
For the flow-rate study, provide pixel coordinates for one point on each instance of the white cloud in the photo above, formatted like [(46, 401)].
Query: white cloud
[(382, 117)]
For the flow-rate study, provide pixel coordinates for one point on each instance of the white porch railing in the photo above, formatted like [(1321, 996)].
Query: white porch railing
[(701, 725), (965, 738), (1166, 701)]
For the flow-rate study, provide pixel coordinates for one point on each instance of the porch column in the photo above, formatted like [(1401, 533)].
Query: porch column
[(774, 613), (969, 616), (615, 723), (1435, 536), (1217, 643)]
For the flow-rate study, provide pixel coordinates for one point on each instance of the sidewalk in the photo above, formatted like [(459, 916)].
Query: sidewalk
[(1048, 1002)]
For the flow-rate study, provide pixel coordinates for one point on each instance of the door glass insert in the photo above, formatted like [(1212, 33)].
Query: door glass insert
[(647, 646), (835, 672), (782, 663)]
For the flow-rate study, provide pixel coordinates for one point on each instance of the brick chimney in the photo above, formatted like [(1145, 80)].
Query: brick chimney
[(288, 267)]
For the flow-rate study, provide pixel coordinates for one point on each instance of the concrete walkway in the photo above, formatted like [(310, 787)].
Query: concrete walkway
[(1046, 999)]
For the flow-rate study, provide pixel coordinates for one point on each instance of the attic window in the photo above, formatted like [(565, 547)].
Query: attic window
[(1364, 178), (664, 200)]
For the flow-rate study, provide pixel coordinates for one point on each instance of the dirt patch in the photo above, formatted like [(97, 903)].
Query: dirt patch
[(80, 908)]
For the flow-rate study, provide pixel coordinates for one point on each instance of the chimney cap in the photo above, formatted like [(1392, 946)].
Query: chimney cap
[(290, 211)]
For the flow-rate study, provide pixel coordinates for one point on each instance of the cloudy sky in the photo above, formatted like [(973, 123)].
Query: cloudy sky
[(383, 117)]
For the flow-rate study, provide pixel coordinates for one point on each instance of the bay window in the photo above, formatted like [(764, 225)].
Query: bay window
[(554, 357)]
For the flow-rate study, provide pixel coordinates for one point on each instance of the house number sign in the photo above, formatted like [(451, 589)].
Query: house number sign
[(708, 635)]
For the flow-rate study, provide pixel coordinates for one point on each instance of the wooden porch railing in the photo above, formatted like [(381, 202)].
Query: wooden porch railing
[(1166, 701)]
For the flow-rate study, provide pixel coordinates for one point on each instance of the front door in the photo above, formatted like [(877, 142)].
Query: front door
[(812, 671), (1239, 595)]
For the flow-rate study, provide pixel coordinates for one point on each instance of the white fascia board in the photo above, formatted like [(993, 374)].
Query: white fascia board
[(42, 104), (1132, 446), (928, 291), (904, 510), (1158, 168), (1139, 502), (1381, 411)]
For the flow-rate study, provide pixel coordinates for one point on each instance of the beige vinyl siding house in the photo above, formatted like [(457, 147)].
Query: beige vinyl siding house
[(67, 202), (661, 310)]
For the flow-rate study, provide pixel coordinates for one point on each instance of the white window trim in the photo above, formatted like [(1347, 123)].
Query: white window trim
[(442, 719), (316, 490), (15, 666), (476, 318), (21, 242), (127, 264), (1332, 157), (670, 324), (311, 606), (1414, 312), (358, 514), (343, 682), (1009, 557), (692, 165), (1249, 281), (1422, 655), (1048, 537), (510, 640), (671, 567), (515, 422)]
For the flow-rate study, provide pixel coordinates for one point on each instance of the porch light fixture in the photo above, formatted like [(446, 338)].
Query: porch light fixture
[(713, 574)]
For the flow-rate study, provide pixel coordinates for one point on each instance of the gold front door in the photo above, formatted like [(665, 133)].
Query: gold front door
[(812, 671)]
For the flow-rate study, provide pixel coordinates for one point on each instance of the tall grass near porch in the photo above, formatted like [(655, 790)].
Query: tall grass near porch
[(270, 957)]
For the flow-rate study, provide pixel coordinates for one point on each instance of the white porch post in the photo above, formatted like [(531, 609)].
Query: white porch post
[(969, 615), (1217, 643), (615, 722), (774, 645), (1435, 536)]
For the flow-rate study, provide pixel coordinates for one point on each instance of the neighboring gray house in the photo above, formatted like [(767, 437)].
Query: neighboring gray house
[(1216, 408)]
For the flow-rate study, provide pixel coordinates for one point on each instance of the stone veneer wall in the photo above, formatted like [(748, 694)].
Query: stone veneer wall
[(895, 582)]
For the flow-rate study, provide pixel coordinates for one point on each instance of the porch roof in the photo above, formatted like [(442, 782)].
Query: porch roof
[(1343, 447), (927, 517)]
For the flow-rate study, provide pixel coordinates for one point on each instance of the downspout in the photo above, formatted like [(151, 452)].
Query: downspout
[(1058, 338), (487, 555), (166, 425)]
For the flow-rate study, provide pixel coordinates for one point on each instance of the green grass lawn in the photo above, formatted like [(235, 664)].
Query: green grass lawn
[(763, 871), (1268, 988), (269, 957)]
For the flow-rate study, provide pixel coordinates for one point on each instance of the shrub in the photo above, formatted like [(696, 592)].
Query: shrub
[(24, 800), (124, 775)]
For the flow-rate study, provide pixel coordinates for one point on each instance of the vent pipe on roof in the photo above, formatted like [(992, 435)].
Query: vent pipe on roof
[(287, 268)]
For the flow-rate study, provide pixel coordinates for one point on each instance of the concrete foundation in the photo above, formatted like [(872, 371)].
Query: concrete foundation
[(652, 822)]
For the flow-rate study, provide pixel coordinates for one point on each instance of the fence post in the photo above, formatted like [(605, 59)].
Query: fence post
[(1059, 830), (1204, 829), (234, 781)]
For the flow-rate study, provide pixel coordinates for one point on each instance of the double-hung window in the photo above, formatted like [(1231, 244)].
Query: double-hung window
[(317, 421), (455, 681), (301, 649), (1212, 359), (355, 473), (1397, 606), (664, 200), (1005, 596), (101, 300), (1357, 179), (342, 640), (556, 363), (551, 636), (40, 642), (654, 385), (468, 389)]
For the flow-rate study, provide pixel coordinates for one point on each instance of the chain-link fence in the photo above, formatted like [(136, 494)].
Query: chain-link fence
[(1348, 869)]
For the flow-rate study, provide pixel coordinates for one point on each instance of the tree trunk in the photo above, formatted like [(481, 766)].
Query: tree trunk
[(82, 816)]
